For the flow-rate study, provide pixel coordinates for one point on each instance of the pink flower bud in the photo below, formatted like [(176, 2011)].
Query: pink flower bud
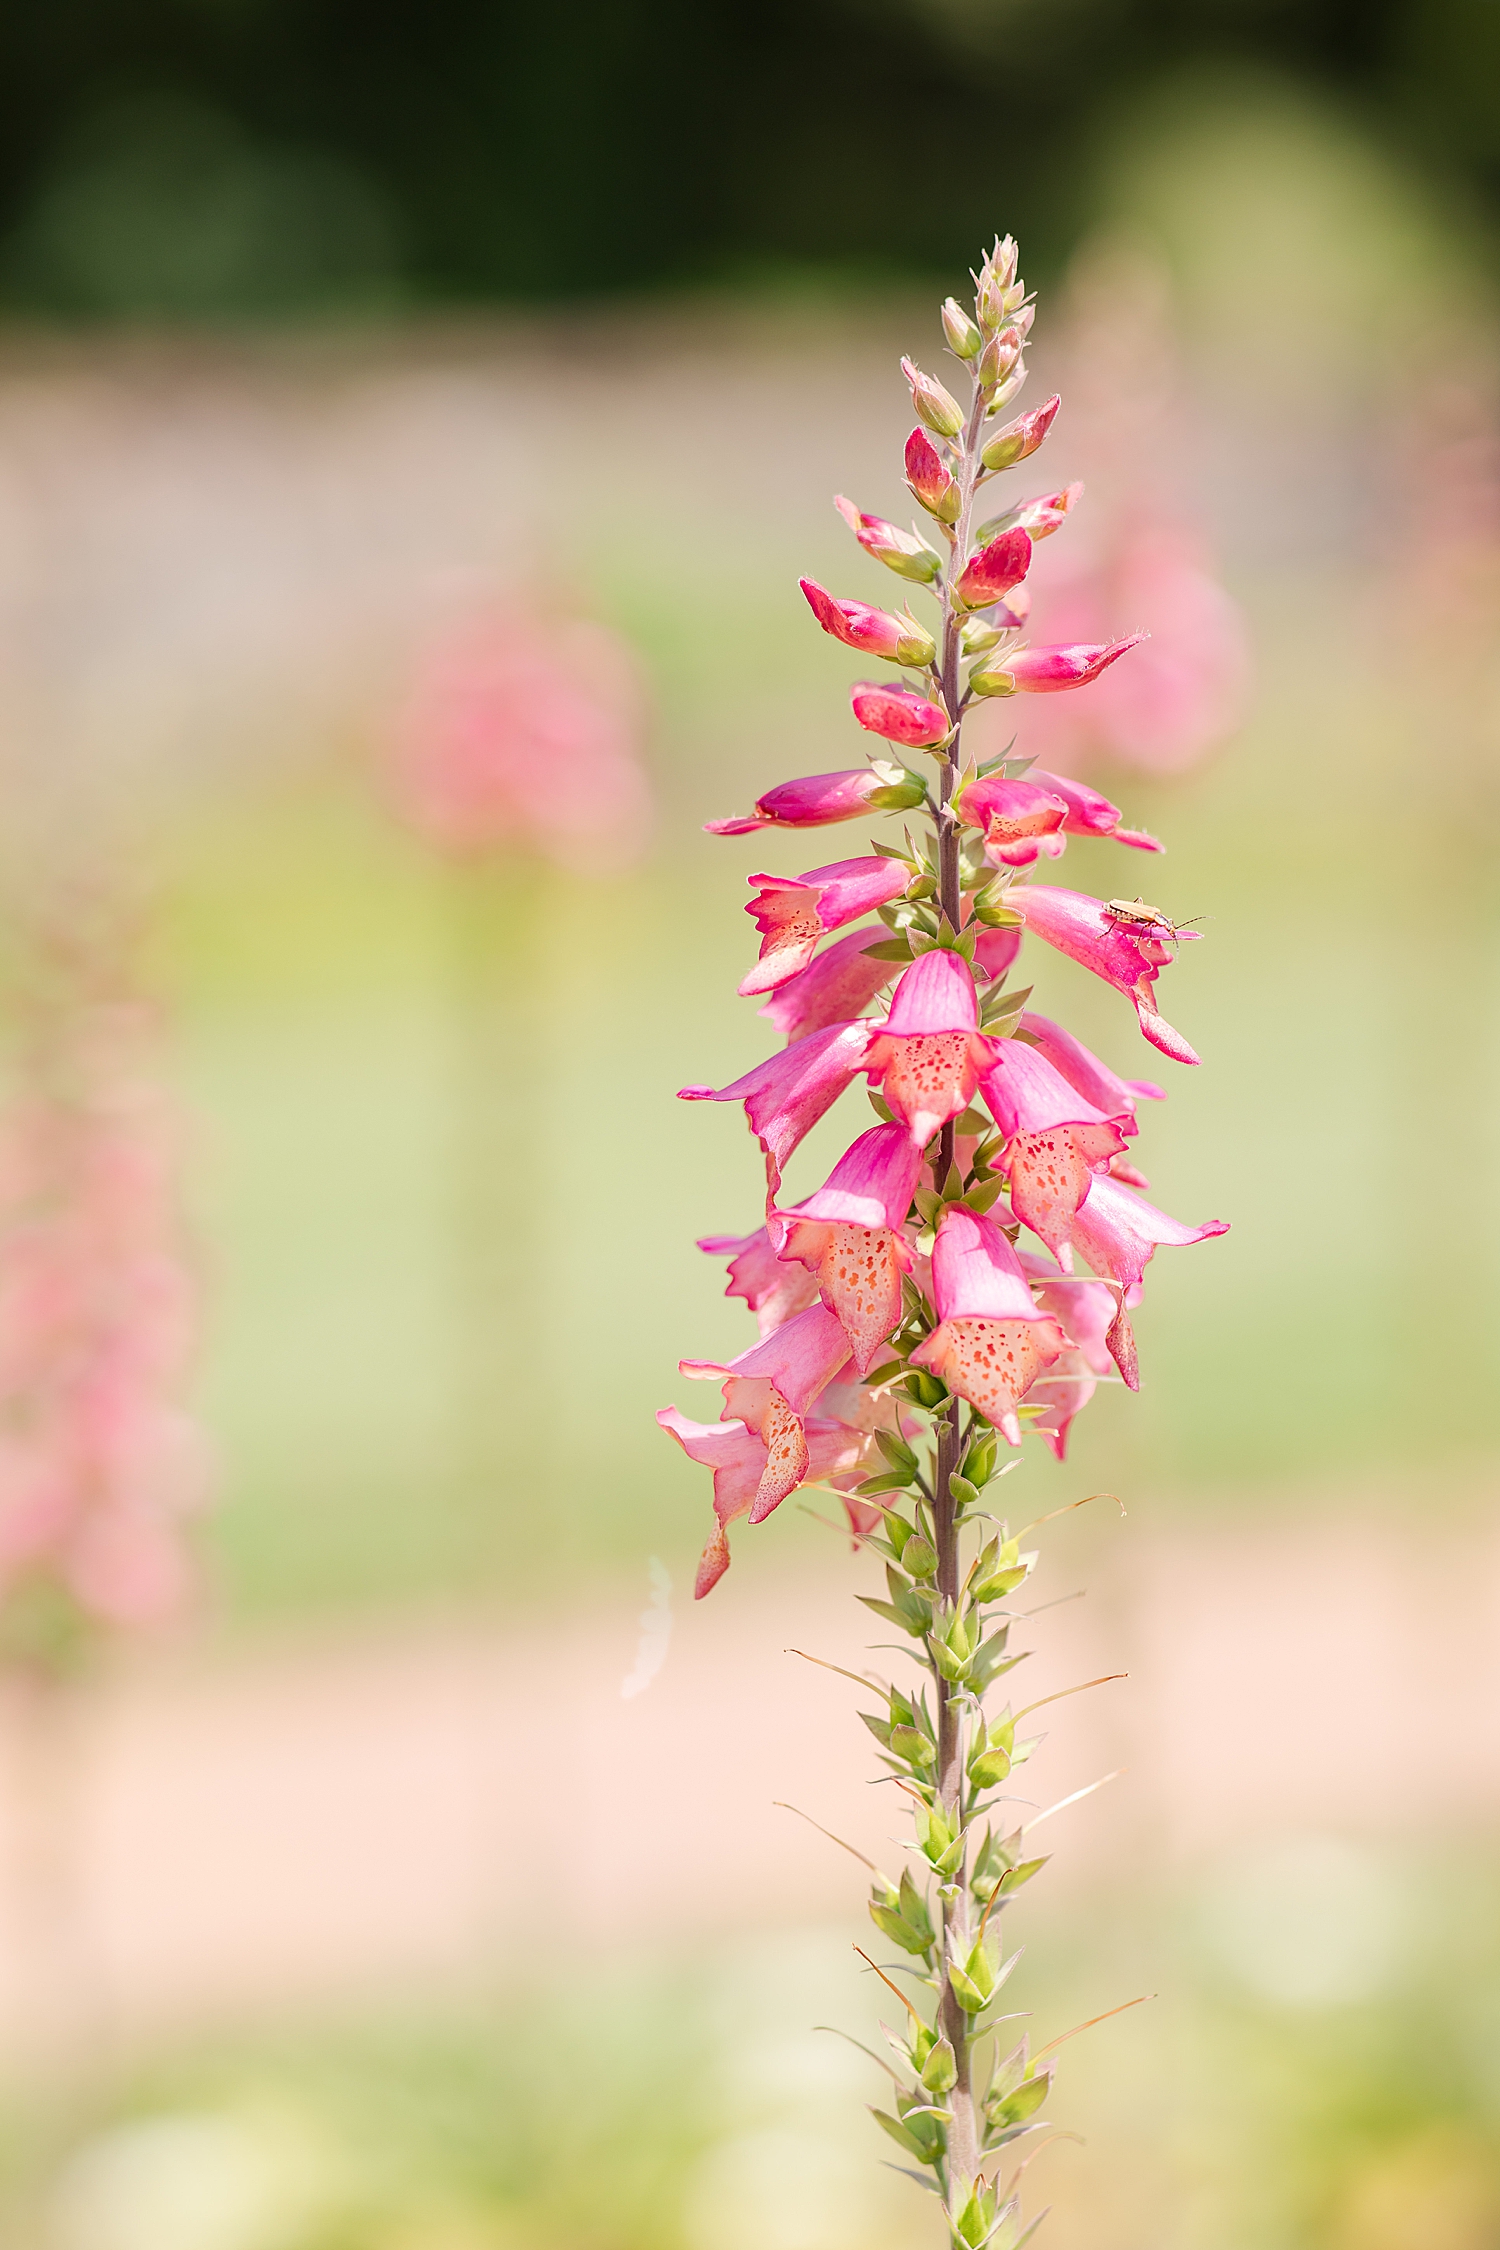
[(900, 551), (938, 408), (1048, 671), (963, 337), (928, 480), (874, 632), (1040, 517), (1019, 439), (900, 714), (820, 799), (990, 574)]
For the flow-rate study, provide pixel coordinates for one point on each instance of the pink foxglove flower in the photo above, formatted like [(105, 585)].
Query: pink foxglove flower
[(1086, 1311), (928, 1055), (900, 551), (772, 1289), (771, 1388), (795, 912), (522, 731), (1050, 671), (1117, 1232), (849, 1235), (932, 1338), (1087, 1075), (786, 1095), (1055, 1141), (1019, 820), (875, 632), (99, 1463), (821, 799), (1129, 959), (991, 1341), (839, 985), (740, 1460), (899, 714)]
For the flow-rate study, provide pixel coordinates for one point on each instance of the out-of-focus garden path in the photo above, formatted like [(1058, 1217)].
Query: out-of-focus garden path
[(240, 1830)]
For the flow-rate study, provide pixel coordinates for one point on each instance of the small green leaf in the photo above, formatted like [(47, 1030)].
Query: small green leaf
[(892, 949)]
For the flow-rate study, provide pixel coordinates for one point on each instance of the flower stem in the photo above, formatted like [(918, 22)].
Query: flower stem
[(963, 2134)]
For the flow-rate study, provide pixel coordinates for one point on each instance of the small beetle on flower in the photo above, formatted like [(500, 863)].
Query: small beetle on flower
[(1135, 914)]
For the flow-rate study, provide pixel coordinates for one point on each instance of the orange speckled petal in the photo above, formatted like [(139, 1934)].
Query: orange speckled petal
[(1051, 1172)]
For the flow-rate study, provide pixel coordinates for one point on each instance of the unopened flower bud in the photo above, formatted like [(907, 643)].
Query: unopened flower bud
[(929, 480), (900, 551), (998, 358), (1020, 438), (874, 631), (938, 408), (963, 337), (990, 574), (978, 636), (900, 714), (1001, 396), (991, 683), (897, 788), (995, 282), (1040, 517)]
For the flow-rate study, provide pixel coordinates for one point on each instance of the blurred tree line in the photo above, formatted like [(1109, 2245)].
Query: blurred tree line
[(240, 157)]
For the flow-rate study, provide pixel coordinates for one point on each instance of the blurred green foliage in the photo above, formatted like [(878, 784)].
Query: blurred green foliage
[(237, 158), (1316, 2071)]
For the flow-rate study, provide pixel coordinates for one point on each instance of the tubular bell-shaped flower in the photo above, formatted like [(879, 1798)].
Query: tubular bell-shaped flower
[(839, 985), (820, 799), (1087, 1075), (739, 1459), (1055, 1141), (875, 632), (928, 1054), (848, 1235), (794, 912), (1129, 959), (1086, 1310), (1019, 820), (786, 1094), (992, 1340), (773, 1290), (1090, 813), (771, 1388), (1117, 1233)]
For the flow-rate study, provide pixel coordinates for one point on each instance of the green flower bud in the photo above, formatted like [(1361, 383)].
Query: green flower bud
[(963, 337)]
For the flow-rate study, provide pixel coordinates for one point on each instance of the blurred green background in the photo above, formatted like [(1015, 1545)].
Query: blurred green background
[(316, 317)]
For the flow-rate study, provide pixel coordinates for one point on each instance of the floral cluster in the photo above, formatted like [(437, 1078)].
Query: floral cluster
[(99, 1461), (524, 731), (969, 1268)]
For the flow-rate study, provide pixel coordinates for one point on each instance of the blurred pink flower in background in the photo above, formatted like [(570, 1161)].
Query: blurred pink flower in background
[(1183, 691), (99, 1463), (1133, 562), (525, 730)]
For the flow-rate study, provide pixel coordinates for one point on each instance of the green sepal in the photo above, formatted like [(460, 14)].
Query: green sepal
[(890, 949), (918, 1557), (913, 1746), (963, 1492), (1015, 2108), (984, 1194), (940, 2071), (902, 2135), (897, 1452), (880, 1106), (893, 1480)]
